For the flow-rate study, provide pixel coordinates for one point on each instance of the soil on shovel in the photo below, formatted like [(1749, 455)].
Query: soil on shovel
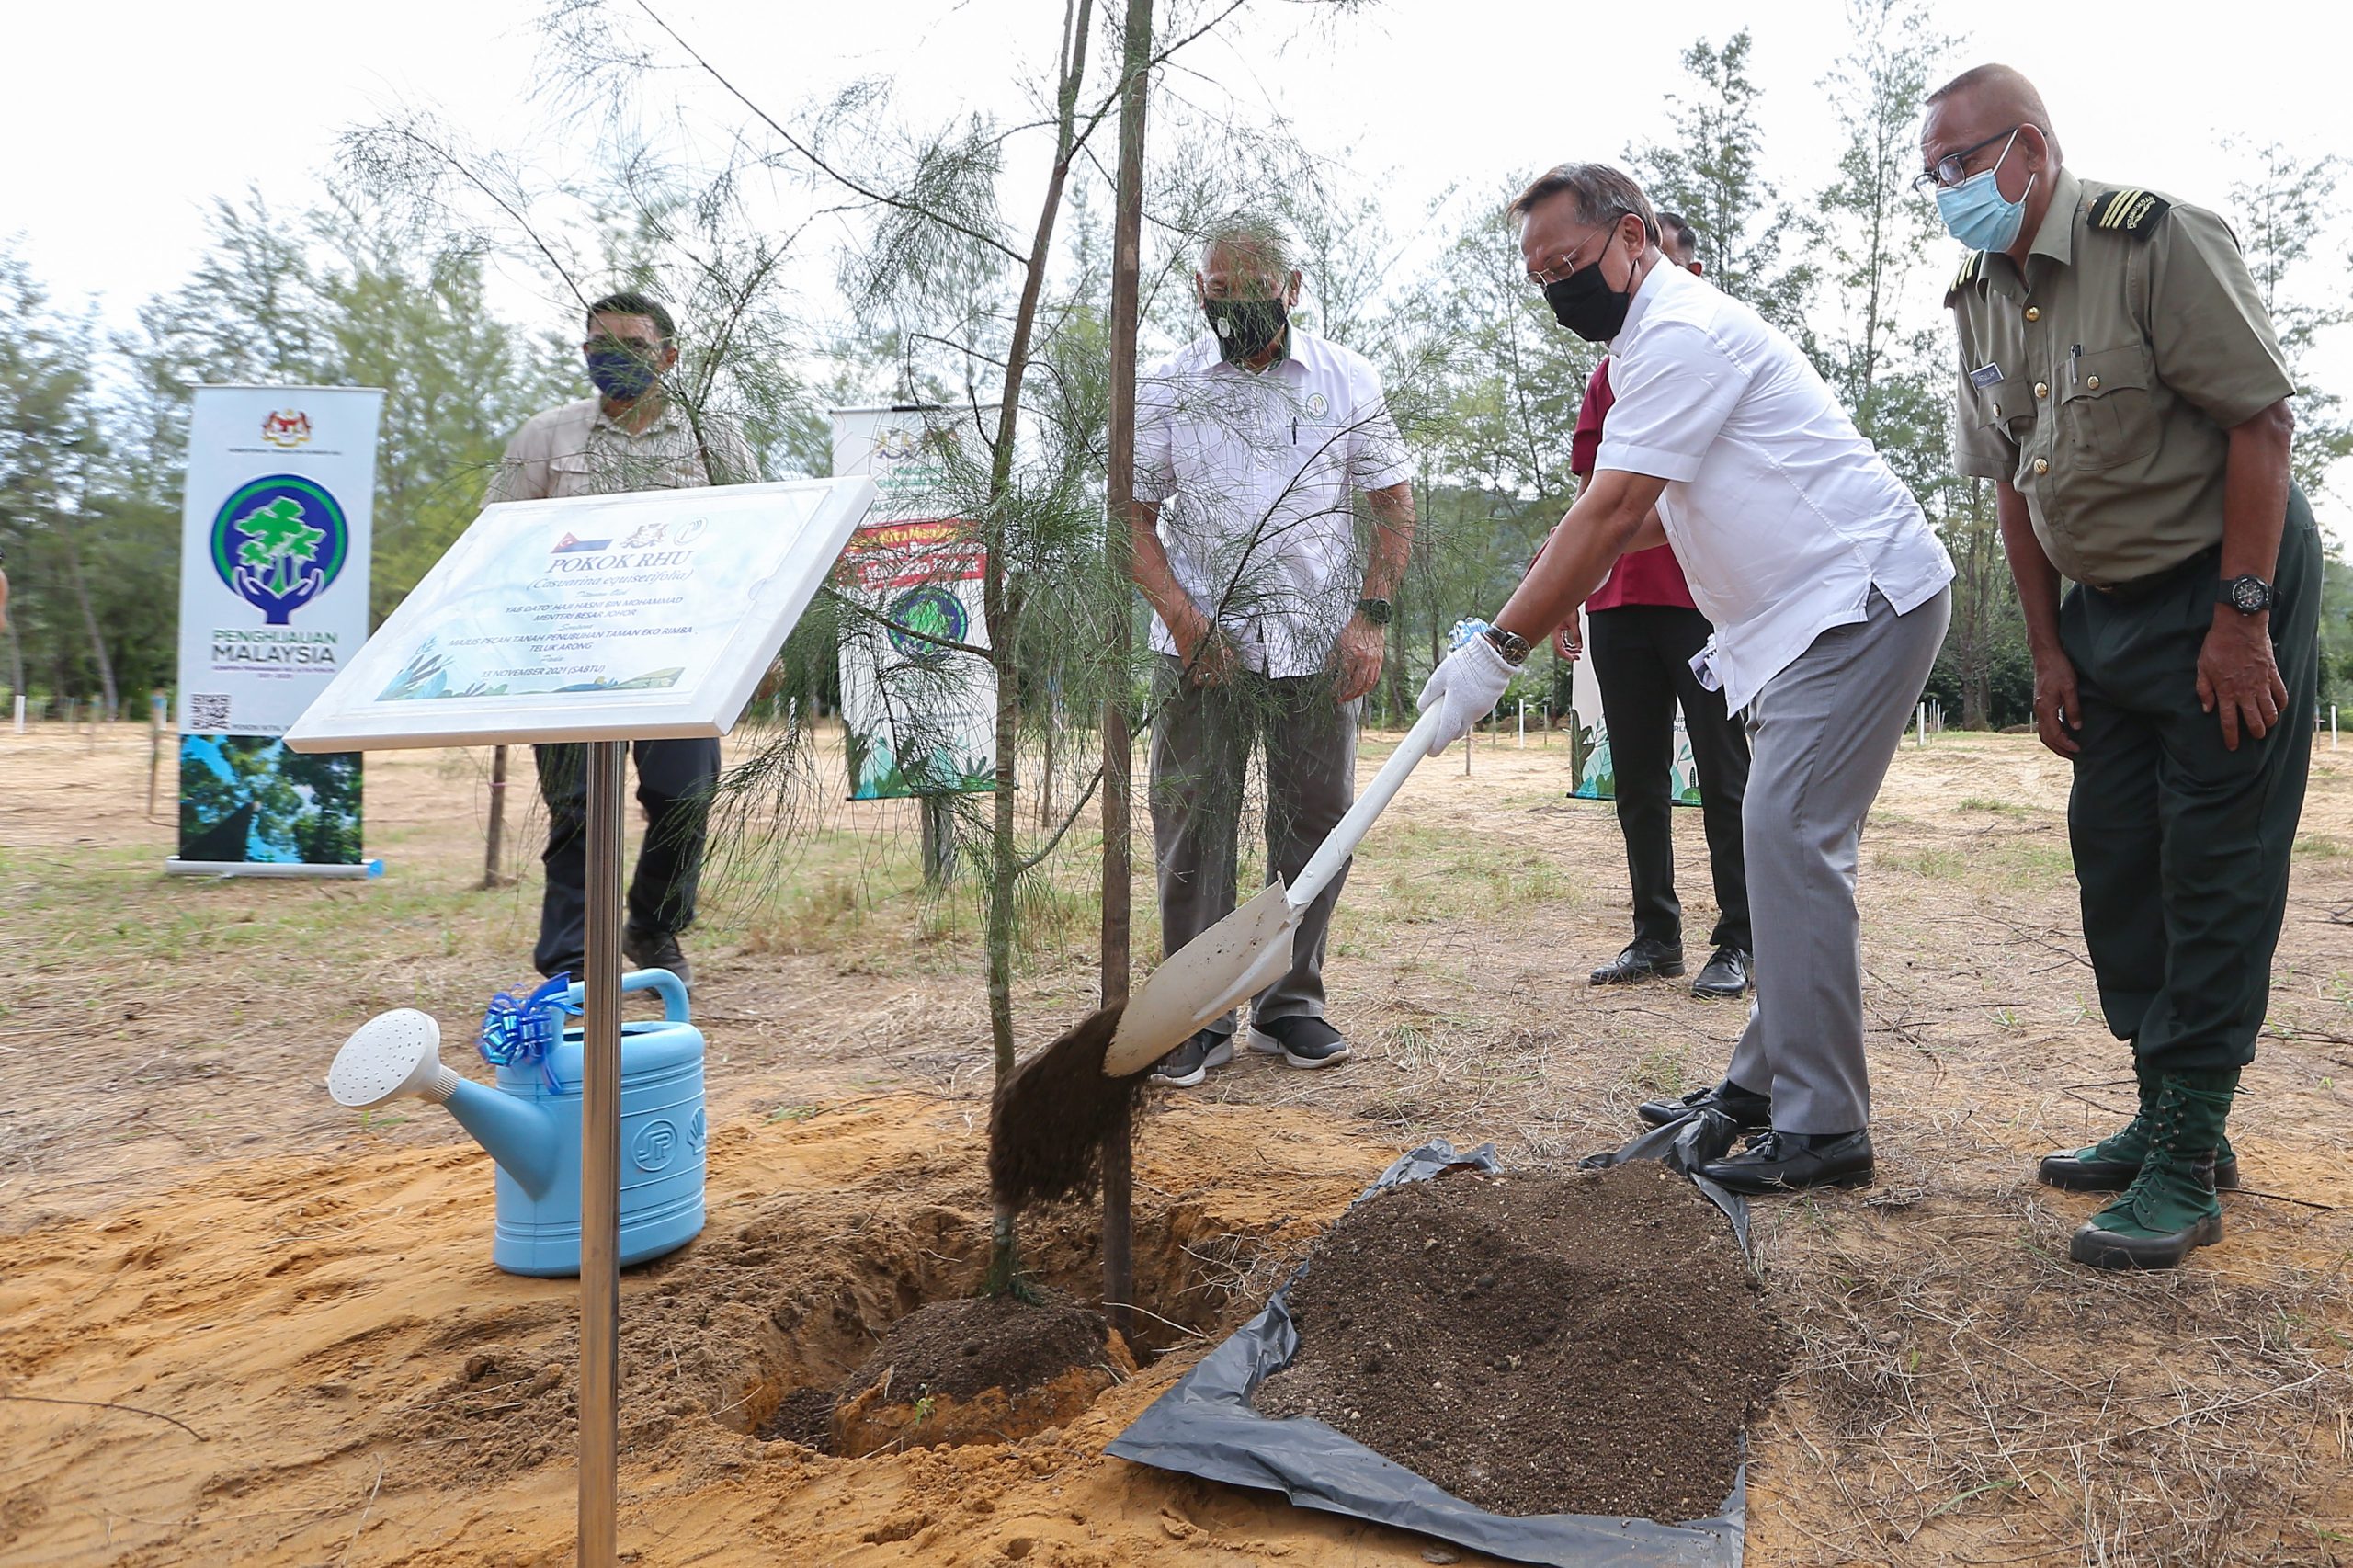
[(1569, 1343), (989, 1369)]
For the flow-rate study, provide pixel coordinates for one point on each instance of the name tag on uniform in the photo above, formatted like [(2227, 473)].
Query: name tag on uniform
[(1985, 375)]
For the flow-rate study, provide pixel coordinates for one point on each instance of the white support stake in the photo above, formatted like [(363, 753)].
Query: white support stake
[(1523, 724), (20, 714)]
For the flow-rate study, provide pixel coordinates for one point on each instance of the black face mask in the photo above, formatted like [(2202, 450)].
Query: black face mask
[(1586, 305), (1245, 328)]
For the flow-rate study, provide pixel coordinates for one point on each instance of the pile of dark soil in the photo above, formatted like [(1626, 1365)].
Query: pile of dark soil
[(1570, 1344), (957, 1349), (978, 1370)]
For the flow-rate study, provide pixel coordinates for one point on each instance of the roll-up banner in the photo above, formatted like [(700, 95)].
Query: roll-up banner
[(918, 699), (1596, 764), (275, 534)]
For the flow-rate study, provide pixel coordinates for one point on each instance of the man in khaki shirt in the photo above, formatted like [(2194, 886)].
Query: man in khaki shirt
[(631, 435), (2121, 386)]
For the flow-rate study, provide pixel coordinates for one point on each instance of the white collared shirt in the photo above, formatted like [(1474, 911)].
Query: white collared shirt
[(1783, 515), (574, 449), (1255, 475)]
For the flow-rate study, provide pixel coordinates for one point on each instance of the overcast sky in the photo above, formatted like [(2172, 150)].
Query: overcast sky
[(133, 114)]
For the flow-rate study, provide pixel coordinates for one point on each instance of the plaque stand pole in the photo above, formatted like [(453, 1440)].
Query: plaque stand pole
[(600, 1150)]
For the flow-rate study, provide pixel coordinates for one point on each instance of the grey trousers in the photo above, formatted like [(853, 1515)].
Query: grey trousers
[(1200, 756), (1821, 735)]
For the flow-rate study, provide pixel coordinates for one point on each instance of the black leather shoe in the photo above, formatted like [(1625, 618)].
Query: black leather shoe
[(1791, 1162), (658, 949), (1747, 1108), (1642, 960), (1723, 976)]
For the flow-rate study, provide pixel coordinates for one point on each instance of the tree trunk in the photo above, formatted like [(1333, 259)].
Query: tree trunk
[(89, 618), (1126, 265), (1003, 608)]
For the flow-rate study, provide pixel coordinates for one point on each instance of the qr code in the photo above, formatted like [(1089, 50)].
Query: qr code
[(208, 710)]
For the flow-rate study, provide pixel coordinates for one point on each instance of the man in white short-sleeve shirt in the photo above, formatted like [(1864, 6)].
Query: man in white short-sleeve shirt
[(1270, 594), (1829, 595)]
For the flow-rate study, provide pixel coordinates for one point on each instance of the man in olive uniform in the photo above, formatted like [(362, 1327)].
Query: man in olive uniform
[(2121, 386)]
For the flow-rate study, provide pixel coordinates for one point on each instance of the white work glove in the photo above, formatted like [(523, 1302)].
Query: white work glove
[(1465, 689)]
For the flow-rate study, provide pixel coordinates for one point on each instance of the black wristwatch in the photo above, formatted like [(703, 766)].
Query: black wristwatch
[(1510, 644), (2248, 594), (1376, 612)]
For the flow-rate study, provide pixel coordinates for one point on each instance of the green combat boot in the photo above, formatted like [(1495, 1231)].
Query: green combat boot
[(2170, 1207), (2110, 1165)]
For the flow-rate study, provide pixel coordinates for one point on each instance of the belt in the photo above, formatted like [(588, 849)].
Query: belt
[(2210, 560)]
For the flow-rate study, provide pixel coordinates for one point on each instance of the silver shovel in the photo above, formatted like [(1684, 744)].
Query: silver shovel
[(1250, 949)]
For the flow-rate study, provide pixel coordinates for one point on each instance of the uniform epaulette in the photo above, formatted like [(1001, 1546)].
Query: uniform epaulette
[(2130, 211), (1970, 268)]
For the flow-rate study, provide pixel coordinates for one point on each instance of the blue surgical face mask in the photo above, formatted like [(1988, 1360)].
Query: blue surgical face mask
[(622, 374), (1978, 214)]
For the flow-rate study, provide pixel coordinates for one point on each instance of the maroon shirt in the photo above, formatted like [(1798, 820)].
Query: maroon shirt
[(1647, 576)]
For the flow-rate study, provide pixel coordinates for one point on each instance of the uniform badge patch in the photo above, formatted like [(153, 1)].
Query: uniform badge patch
[(2131, 211), (1970, 268), (1985, 375)]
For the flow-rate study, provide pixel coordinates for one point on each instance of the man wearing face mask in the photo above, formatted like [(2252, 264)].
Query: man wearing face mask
[(629, 436), (1829, 595), (1271, 597), (2121, 386), (1645, 632)]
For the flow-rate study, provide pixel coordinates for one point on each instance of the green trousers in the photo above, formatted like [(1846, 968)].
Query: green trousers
[(2181, 846)]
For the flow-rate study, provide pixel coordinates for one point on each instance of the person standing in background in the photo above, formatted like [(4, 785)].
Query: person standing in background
[(1271, 613), (2120, 384), (629, 436), (1645, 632)]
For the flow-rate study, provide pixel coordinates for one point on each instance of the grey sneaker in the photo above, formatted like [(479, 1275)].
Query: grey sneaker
[(659, 950), (1190, 1062), (1303, 1043)]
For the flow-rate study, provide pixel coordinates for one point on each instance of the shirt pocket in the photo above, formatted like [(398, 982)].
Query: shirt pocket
[(572, 474), (2107, 413), (1320, 453)]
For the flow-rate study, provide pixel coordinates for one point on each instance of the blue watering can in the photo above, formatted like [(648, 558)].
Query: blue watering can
[(530, 1122)]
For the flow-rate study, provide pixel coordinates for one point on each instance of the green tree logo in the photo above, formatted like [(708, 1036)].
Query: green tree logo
[(276, 538), (279, 542)]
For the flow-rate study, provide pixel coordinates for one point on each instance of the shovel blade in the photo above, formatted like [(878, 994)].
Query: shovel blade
[(1238, 956)]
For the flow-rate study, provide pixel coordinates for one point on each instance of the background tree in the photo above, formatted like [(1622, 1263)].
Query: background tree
[(54, 522), (2279, 210), (1711, 169)]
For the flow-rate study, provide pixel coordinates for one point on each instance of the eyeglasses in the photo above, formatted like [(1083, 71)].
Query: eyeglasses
[(1954, 167), (1542, 276), (644, 348)]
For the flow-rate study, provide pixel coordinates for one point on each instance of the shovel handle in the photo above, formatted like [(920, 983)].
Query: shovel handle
[(1334, 853)]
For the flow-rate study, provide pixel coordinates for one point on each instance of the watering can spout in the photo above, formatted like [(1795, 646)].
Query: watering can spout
[(398, 1053), (516, 1132)]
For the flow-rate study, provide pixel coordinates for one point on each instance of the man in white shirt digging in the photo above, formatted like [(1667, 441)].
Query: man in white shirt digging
[(1829, 595), (1252, 444)]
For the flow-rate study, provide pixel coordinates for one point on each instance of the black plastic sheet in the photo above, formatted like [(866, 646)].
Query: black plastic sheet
[(1205, 1425)]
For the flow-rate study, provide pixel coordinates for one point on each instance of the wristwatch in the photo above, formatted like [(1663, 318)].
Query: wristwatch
[(1510, 644), (1376, 612), (2248, 594)]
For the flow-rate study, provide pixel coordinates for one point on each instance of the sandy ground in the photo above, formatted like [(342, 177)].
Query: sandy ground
[(191, 1229)]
